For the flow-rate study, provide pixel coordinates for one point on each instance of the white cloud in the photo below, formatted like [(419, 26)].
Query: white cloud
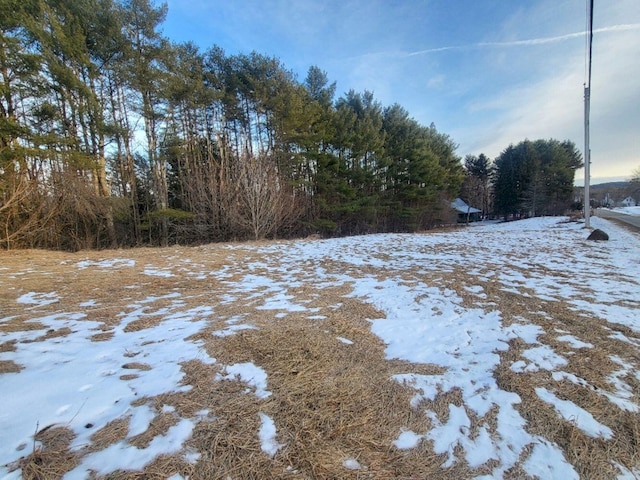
[(553, 106), (436, 81)]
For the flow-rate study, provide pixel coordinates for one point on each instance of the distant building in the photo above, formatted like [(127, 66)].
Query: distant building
[(628, 202), (465, 212)]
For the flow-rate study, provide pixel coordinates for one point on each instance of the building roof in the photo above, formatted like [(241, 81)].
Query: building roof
[(461, 207)]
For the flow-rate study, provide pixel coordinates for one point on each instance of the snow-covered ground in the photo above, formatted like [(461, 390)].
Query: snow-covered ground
[(72, 381), (628, 210)]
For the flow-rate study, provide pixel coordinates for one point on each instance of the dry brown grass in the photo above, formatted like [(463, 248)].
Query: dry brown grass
[(591, 457), (51, 460), (330, 401), (9, 366), (112, 432)]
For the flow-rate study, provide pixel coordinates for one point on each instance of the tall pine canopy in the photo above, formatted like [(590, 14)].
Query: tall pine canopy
[(112, 135), (536, 178)]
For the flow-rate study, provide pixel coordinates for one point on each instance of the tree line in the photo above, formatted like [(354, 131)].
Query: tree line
[(530, 179), (112, 135)]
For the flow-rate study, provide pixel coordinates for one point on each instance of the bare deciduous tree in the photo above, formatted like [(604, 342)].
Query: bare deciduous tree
[(16, 192), (261, 202)]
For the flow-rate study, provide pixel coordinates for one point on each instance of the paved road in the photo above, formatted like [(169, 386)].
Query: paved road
[(630, 221)]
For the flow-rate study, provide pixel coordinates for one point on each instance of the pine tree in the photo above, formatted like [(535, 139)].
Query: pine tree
[(535, 178), (145, 73)]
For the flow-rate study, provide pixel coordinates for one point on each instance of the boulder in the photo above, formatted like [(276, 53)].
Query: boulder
[(598, 234)]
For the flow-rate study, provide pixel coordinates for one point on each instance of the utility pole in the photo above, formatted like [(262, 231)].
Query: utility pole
[(587, 160), (587, 106)]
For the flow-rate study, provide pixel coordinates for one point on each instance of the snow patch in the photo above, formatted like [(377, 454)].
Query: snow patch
[(267, 435), (38, 299), (575, 414), (250, 374)]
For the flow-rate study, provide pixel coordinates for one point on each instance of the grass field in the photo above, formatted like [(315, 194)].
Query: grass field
[(494, 351)]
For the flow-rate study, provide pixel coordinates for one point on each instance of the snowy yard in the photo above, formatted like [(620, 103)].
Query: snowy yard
[(495, 351)]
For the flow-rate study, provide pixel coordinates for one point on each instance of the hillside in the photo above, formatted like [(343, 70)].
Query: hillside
[(610, 192)]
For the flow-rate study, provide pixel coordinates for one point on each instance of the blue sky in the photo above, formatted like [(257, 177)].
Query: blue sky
[(486, 72)]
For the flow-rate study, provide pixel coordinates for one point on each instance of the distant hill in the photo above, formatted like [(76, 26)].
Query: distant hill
[(609, 193), (606, 186), (610, 185)]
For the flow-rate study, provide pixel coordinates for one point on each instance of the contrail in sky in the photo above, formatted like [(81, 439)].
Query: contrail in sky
[(532, 41)]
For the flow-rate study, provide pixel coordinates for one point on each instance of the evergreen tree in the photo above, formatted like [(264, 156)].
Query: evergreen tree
[(317, 85), (536, 178), (145, 74), (417, 171), (359, 143), (90, 76)]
